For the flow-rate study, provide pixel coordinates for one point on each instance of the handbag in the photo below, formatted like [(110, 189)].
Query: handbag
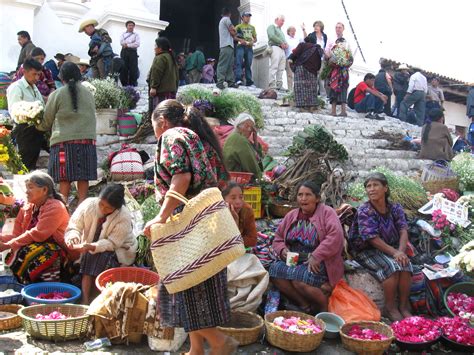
[(126, 165), (197, 243)]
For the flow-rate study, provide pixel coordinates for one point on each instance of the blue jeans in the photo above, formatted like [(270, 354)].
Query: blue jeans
[(243, 55), (418, 99), (370, 103)]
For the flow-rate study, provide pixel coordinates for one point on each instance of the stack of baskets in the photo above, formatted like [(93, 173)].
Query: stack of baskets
[(437, 176), (245, 327), (74, 327), (127, 274), (367, 347), (289, 341)]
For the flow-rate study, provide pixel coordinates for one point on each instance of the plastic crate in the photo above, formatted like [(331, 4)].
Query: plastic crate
[(253, 196)]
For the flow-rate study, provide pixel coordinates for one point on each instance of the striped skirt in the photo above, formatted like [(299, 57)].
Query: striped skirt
[(279, 270), (380, 265), (73, 161), (203, 306), (94, 264), (306, 88)]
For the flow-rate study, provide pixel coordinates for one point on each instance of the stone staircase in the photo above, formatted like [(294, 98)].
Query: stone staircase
[(282, 123)]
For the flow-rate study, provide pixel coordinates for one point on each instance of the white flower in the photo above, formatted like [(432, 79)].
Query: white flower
[(91, 87)]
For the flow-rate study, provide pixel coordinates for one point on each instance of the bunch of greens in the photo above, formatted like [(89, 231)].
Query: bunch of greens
[(107, 94), (227, 105), (403, 190), (463, 167), (320, 140), (150, 209)]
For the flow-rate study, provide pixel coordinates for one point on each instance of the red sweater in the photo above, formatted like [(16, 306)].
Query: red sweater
[(53, 219), (330, 235)]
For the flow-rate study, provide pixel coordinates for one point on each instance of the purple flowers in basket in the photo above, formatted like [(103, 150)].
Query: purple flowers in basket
[(205, 106)]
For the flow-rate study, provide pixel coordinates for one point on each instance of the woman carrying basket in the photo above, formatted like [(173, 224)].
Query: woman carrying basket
[(189, 160)]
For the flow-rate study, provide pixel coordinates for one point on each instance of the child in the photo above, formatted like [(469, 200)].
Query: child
[(208, 71)]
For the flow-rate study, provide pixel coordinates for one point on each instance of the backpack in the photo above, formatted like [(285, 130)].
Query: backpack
[(104, 35), (350, 99)]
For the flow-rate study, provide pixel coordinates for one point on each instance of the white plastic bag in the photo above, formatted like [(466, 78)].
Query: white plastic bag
[(156, 344)]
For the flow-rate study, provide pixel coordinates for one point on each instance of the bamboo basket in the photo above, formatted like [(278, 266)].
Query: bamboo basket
[(245, 327), (57, 330), (280, 210), (10, 322), (293, 342), (367, 347), (435, 186)]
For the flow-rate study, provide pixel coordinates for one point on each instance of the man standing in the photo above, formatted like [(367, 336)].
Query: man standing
[(339, 34), (100, 50), (28, 138), (400, 85), (24, 40), (54, 65), (130, 41), (435, 95), (246, 37), (277, 42), (194, 65), (225, 72), (416, 95)]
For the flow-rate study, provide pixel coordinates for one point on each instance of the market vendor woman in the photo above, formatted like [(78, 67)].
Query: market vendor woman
[(315, 233), (37, 242), (379, 242)]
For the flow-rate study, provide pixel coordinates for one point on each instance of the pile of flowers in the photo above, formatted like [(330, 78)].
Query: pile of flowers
[(296, 325), (13, 163), (365, 334), (205, 106), (457, 329), (129, 97), (461, 305), (463, 165), (416, 330), (465, 259), (27, 112), (55, 295), (52, 316), (4, 157), (439, 219)]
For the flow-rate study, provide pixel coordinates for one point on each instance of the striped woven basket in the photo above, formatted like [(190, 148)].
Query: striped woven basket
[(196, 244)]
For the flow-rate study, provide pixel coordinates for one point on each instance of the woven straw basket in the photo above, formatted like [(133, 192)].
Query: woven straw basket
[(293, 342), (437, 176), (11, 322), (196, 244), (367, 347), (245, 327)]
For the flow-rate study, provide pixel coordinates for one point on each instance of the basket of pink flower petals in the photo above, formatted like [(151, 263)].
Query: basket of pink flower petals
[(416, 333), (294, 331), (366, 338), (57, 322), (459, 300), (457, 334)]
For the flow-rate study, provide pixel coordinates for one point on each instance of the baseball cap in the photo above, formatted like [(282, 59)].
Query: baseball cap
[(246, 13)]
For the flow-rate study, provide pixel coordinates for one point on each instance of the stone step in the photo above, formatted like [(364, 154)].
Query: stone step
[(367, 163), (383, 153)]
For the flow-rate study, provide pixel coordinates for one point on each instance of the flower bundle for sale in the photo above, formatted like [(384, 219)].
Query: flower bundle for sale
[(27, 112)]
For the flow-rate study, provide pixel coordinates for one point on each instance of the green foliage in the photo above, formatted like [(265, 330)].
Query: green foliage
[(403, 190), (463, 166), (107, 94), (320, 140), (150, 209), (227, 105)]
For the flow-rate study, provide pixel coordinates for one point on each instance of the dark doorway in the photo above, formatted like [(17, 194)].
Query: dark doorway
[(195, 23)]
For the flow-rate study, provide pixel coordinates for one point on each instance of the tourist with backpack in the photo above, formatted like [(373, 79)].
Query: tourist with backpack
[(100, 49)]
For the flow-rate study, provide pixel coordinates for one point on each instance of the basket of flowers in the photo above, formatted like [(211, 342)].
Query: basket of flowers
[(50, 293), (459, 300), (366, 338), (416, 333), (57, 322), (457, 334), (294, 331)]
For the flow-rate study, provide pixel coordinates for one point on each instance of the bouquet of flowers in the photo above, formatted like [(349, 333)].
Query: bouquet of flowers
[(341, 56), (27, 112), (465, 259)]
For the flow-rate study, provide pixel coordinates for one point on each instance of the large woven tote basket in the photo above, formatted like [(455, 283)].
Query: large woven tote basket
[(197, 243)]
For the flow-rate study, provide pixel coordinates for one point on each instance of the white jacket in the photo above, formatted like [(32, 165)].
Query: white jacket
[(116, 234)]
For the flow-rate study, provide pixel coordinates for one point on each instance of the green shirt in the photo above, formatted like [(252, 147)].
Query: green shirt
[(164, 74), (246, 31), (240, 156), (65, 124), (22, 91), (275, 36), (195, 61)]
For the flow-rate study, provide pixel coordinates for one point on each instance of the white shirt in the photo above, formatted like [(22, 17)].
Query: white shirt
[(292, 44), (131, 39), (417, 82)]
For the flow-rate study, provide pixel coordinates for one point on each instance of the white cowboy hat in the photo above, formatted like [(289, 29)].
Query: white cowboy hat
[(87, 23), (403, 67), (83, 61)]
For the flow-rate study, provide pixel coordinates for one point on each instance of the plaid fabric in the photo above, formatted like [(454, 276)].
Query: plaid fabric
[(380, 265), (203, 306), (79, 163), (95, 264), (305, 87)]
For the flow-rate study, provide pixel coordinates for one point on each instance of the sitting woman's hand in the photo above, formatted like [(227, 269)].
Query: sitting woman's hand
[(283, 254), (72, 242), (401, 258), (313, 265)]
